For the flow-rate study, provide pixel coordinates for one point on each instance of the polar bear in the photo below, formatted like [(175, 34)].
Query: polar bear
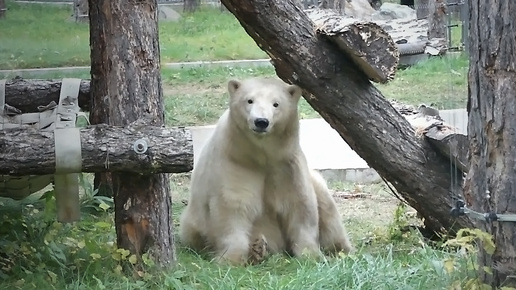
[(252, 181)]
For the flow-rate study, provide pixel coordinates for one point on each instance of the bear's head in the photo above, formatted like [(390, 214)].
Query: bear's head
[(263, 105)]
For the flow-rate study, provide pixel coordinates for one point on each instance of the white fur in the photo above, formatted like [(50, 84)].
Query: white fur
[(250, 182)]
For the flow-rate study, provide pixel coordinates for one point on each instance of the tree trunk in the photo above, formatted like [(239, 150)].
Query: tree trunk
[(190, 6), (337, 5), (126, 86), (491, 182), (103, 148), (422, 8), (376, 4), (28, 95), (3, 9), (437, 19), (347, 100), (80, 10)]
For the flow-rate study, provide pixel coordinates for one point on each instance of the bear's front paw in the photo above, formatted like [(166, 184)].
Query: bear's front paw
[(233, 258), (311, 252), (258, 250)]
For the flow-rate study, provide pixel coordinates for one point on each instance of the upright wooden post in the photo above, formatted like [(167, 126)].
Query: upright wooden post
[(491, 182), (80, 10), (437, 19), (422, 8), (3, 9), (126, 87)]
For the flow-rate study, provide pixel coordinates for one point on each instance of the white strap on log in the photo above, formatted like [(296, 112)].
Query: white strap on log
[(2, 97), (59, 118), (18, 187), (44, 120), (67, 140)]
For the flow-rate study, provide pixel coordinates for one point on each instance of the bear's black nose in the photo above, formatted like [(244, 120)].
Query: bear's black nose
[(261, 123)]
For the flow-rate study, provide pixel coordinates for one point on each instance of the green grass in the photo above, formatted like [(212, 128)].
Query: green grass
[(33, 36), (442, 81), (37, 252), (198, 96)]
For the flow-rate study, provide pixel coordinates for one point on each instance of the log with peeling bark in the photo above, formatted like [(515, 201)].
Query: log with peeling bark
[(367, 44), (343, 95), (451, 144), (104, 148), (448, 140), (28, 95)]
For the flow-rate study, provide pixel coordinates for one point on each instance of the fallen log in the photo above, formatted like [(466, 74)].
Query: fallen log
[(366, 43), (454, 146), (28, 95), (449, 142), (104, 148), (343, 95)]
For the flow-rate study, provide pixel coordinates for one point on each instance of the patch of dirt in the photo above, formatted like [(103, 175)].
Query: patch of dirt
[(376, 209)]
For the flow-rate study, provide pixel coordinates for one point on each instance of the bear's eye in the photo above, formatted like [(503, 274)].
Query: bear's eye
[(275, 105), (249, 101)]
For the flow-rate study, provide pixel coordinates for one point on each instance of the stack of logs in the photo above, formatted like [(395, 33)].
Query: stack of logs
[(104, 148)]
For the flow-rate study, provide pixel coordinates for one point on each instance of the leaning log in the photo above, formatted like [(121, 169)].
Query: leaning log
[(343, 95), (28, 95), (445, 138), (104, 148), (452, 145), (367, 44)]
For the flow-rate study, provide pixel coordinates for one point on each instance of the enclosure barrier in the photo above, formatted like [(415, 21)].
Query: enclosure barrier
[(61, 120)]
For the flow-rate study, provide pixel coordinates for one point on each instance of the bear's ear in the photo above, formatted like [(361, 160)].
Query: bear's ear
[(233, 86), (295, 91)]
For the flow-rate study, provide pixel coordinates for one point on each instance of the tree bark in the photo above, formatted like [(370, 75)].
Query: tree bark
[(451, 144), (422, 8), (368, 44), (28, 95), (347, 100), (437, 19), (337, 5), (190, 6), (376, 4), (3, 9), (126, 86), (104, 148), (491, 182), (80, 10)]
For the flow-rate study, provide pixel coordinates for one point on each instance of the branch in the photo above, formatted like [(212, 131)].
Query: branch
[(104, 148)]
